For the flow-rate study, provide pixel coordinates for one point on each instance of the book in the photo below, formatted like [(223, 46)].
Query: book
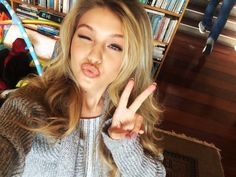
[(23, 15), (170, 31), (160, 30), (66, 6), (154, 12), (171, 6), (28, 8), (153, 3), (43, 3), (155, 24), (166, 23), (180, 6), (50, 16), (158, 3), (26, 12), (56, 5)]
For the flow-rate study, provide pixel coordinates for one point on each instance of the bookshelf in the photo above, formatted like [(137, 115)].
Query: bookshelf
[(49, 10), (165, 17)]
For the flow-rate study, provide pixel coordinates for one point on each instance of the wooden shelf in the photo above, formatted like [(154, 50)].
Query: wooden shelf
[(156, 42), (174, 16)]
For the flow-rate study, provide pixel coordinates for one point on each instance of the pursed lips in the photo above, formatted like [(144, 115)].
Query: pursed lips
[(90, 70)]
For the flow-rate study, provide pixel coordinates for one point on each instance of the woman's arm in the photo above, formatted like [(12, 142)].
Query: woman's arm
[(121, 137), (7, 155), (15, 141), (130, 158)]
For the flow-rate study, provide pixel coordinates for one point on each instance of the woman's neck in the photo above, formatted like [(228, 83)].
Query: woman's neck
[(92, 106)]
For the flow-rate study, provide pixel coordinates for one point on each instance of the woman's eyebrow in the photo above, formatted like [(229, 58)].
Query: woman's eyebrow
[(86, 26), (91, 28), (117, 35)]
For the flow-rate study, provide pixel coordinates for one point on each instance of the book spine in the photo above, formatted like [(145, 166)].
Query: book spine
[(22, 14), (49, 16), (27, 8), (158, 3), (66, 6), (171, 6), (26, 12), (167, 20), (153, 3), (154, 12)]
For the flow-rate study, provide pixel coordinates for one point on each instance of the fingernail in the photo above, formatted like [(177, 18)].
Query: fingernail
[(141, 132)]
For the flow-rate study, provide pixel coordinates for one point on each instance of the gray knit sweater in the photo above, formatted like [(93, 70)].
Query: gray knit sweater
[(23, 153)]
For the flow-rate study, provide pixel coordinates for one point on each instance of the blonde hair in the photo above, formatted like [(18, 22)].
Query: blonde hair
[(58, 80)]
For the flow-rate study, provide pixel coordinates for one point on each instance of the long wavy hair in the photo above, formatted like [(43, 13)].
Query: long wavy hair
[(62, 94)]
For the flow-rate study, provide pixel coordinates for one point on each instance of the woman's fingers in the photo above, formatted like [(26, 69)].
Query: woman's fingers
[(128, 130), (126, 123), (126, 93), (117, 133), (141, 131), (138, 127), (142, 97)]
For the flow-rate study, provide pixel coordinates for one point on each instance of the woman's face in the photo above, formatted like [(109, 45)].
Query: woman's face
[(97, 49)]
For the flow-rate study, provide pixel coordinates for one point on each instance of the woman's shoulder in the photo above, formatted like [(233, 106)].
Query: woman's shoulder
[(27, 93), (26, 99)]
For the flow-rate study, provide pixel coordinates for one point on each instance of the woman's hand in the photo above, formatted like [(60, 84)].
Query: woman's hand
[(126, 123)]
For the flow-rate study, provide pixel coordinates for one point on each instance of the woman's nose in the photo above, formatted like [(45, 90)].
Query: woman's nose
[(95, 55)]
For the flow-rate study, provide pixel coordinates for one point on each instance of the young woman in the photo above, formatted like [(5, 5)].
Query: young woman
[(92, 113)]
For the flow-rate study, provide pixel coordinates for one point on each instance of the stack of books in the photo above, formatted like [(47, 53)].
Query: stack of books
[(28, 12)]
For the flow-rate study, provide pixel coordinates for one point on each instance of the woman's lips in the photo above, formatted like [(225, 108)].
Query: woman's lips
[(90, 70)]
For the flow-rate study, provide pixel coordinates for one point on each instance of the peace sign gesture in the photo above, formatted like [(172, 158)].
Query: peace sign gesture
[(126, 123)]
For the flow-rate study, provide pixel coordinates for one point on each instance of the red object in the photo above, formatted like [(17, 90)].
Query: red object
[(3, 85), (18, 46)]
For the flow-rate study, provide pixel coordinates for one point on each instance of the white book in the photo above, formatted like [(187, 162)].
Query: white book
[(153, 2), (66, 6), (176, 5), (60, 5), (72, 3), (180, 5), (159, 48), (170, 31), (172, 4), (164, 4), (158, 3), (42, 3), (154, 12)]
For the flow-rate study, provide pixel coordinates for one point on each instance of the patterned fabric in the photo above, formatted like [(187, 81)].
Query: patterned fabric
[(25, 154)]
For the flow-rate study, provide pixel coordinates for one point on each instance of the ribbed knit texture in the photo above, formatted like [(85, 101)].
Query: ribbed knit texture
[(71, 156), (25, 154)]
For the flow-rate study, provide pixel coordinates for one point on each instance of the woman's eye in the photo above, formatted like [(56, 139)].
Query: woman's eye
[(84, 37), (115, 47)]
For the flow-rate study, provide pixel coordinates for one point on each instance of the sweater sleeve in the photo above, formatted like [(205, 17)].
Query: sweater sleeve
[(15, 141), (130, 158)]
